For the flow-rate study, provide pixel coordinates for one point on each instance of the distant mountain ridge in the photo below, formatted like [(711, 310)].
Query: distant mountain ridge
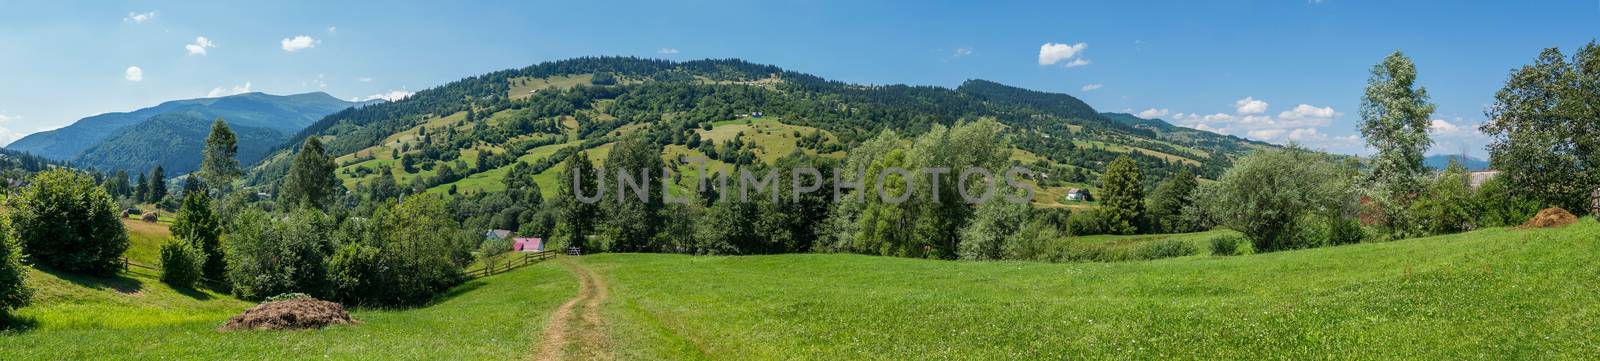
[(1443, 160), (130, 140)]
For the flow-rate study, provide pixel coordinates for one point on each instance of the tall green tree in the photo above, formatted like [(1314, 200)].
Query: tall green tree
[(1544, 128), (311, 182), (141, 187), (64, 221), (1395, 118), (1170, 198), (632, 221), (158, 185), (1122, 196), (578, 218), (201, 228), (14, 291), (218, 163)]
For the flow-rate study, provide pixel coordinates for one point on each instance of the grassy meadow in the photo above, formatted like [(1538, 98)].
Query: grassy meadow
[(135, 316), (1493, 294)]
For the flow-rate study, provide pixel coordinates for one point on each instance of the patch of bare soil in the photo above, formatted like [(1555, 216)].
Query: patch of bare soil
[(295, 314), (1550, 218)]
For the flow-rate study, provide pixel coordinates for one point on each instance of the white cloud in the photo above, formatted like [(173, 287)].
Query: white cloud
[(392, 95), (1077, 63), (133, 74), (1263, 134), (1440, 126), (1249, 105), (1153, 113), (1305, 124), (1052, 53), (364, 79), (333, 29), (1308, 112), (960, 52), (667, 51), (139, 18), (299, 43), (235, 90), (200, 45), (6, 134), (1092, 87)]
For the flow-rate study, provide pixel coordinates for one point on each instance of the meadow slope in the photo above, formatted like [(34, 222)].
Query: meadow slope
[(1496, 294)]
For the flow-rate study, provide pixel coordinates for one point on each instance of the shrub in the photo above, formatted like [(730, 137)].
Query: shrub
[(180, 264), (14, 291), (1226, 245), (1164, 249), (1267, 194), (1501, 206), (64, 221), (289, 296), (267, 257), (412, 251), (1086, 223)]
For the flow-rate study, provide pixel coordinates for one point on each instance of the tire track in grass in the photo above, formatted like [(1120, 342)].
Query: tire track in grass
[(576, 329)]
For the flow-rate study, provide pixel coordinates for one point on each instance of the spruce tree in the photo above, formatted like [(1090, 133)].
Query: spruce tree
[(197, 225), (218, 164), (158, 185), (311, 182)]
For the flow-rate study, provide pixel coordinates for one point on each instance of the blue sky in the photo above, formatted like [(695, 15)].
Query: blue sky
[(1290, 70)]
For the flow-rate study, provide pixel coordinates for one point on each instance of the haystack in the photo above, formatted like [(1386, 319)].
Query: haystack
[(150, 217), (292, 314), (1551, 217)]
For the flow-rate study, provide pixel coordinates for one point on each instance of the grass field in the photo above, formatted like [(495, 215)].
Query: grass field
[(135, 317), (1492, 294)]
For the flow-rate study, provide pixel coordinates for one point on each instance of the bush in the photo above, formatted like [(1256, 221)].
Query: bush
[(1164, 249), (1226, 245), (411, 251), (64, 221), (1269, 194), (1501, 206), (289, 296), (180, 264), (267, 256), (14, 291), (1086, 223)]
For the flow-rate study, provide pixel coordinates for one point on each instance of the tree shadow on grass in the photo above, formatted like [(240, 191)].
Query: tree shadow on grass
[(119, 283), (458, 290), (192, 292), (13, 324)]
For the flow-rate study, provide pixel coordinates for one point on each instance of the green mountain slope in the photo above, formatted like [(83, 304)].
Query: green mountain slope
[(474, 129), (285, 114), (174, 141)]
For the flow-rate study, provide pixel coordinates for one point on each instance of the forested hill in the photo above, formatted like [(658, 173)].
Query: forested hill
[(144, 138), (472, 131)]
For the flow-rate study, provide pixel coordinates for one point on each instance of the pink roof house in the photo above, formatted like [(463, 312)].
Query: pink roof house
[(527, 244)]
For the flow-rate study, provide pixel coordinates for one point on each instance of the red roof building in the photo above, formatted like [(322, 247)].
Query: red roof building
[(527, 244)]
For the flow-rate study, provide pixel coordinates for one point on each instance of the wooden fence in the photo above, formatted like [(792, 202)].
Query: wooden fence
[(508, 265)]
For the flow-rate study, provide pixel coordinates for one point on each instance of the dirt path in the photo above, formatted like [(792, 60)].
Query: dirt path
[(576, 329)]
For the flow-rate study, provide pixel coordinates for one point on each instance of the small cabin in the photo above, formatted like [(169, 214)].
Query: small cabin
[(497, 234), (1078, 194), (528, 244)]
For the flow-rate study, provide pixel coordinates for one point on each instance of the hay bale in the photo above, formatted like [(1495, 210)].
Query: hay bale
[(150, 217), (1551, 217), (291, 314)]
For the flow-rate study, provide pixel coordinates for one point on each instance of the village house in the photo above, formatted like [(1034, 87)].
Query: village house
[(1079, 195), (528, 244), (497, 234)]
